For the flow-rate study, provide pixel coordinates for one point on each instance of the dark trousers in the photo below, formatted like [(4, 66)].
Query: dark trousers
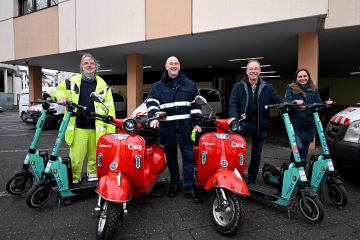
[(188, 166), (303, 148), (258, 138)]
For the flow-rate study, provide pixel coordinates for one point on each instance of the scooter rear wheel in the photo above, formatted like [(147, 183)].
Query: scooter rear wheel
[(39, 196), (315, 213), (230, 220), (18, 185), (108, 220), (269, 170), (338, 194)]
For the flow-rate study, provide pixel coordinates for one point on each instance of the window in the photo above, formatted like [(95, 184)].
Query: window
[(29, 6), (117, 97)]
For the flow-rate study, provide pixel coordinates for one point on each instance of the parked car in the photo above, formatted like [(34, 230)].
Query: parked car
[(342, 135), (1, 109), (24, 100), (211, 95), (54, 120)]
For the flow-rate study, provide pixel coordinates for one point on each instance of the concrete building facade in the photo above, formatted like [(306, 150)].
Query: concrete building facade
[(132, 40)]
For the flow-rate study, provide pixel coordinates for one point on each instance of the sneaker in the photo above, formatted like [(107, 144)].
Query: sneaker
[(173, 192), (75, 181), (68, 201), (92, 177), (194, 198)]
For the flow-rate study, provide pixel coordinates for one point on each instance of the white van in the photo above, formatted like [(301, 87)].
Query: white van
[(24, 100)]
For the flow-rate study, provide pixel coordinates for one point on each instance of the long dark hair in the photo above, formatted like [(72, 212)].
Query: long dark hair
[(299, 70)]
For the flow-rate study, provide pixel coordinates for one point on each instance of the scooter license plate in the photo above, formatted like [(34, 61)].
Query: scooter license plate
[(302, 175), (331, 166)]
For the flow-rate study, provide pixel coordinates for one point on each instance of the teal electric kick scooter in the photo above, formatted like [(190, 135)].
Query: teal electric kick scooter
[(321, 170), (293, 188), (60, 168), (22, 180)]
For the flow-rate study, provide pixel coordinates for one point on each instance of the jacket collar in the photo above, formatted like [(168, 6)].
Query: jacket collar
[(297, 89), (167, 79)]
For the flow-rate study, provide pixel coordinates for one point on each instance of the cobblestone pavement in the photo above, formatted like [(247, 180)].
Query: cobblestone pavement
[(162, 218)]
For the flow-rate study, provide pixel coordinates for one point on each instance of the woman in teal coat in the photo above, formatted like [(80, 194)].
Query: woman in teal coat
[(303, 88)]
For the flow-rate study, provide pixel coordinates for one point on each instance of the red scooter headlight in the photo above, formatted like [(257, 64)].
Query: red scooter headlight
[(129, 125)]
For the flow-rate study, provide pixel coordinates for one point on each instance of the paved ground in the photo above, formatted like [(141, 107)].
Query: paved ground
[(162, 218)]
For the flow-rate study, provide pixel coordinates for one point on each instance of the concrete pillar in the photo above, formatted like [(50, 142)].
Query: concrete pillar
[(134, 81), (308, 52), (35, 84), (5, 81), (13, 83)]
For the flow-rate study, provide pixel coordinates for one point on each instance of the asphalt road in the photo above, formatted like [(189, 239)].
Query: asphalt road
[(162, 218)]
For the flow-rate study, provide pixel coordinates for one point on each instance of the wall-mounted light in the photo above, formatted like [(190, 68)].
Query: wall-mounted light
[(147, 66), (105, 70), (244, 59), (269, 72), (270, 76), (260, 66), (355, 73)]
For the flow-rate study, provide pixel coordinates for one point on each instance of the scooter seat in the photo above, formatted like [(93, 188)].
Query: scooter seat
[(149, 137)]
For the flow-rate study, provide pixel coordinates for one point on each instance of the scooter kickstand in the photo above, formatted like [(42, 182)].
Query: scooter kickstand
[(289, 214)]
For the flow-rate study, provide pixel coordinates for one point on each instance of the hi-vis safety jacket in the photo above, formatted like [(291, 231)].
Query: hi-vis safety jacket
[(177, 103), (72, 86)]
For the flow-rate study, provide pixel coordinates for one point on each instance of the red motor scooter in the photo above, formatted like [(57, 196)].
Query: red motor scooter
[(219, 166), (129, 163)]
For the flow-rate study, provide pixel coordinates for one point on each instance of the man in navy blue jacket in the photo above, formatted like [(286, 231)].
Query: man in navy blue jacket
[(174, 94), (249, 97)]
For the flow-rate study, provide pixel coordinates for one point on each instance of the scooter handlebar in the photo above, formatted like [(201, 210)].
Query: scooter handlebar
[(104, 118), (284, 105)]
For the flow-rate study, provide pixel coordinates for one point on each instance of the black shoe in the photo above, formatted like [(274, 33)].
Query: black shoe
[(193, 197), (68, 201), (246, 179), (173, 192)]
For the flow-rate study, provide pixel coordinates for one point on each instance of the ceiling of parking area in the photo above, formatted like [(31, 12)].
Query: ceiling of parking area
[(277, 42)]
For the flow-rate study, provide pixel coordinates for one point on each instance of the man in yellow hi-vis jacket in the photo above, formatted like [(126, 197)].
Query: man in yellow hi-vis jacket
[(82, 132)]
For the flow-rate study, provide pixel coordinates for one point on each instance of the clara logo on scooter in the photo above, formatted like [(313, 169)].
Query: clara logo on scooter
[(134, 146), (237, 145)]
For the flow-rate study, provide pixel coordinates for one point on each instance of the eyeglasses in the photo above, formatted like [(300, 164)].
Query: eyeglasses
[(253, 69), (88, 63)]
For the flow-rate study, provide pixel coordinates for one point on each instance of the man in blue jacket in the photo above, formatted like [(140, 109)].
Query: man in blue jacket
[(249, 97), (174, 94)]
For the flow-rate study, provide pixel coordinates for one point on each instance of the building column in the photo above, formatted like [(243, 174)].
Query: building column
[(134, 81), (308, 52), (5, 81), (35, 84), (13, 82)]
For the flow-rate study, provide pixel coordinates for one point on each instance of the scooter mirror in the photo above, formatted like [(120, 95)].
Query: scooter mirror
[(96, 97), (160, 115), (200, 100)]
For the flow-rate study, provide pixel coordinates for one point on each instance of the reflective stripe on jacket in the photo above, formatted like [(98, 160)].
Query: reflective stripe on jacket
[(72, 86), (177, 103)]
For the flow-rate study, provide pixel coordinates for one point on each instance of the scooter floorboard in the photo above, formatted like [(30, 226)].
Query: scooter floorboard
[(83, 187), (256, 189)]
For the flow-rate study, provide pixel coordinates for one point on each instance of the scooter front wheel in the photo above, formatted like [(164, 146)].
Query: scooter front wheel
[(107, 221), (338, 194), (229, 220), (267, 171), (39, 196), (314, 211), (18, 185)]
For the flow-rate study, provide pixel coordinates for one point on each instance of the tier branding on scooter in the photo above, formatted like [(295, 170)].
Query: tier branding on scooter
[(237, 145), (290, 188), (134, 146), (58, 179), (319, 177)]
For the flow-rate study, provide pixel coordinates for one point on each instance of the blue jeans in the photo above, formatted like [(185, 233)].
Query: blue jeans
[(188, 166), (258, 138), (303, 147)]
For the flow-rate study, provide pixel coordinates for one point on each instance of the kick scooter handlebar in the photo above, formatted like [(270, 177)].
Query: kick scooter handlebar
[(284, 105), (323, 104), (104, 118)]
